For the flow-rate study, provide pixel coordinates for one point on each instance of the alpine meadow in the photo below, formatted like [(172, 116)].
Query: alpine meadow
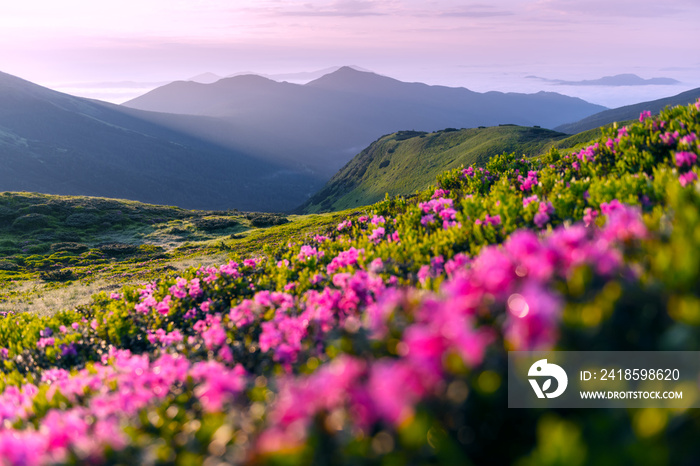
[(343, 266)]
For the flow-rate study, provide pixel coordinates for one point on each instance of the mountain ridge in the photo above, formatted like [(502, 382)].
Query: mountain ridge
[(624, 79), (628, 112), (244, 142), (59, 144), (321, 125)]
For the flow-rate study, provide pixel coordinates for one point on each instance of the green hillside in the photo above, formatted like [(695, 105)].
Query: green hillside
[(375, 336), (409, 161), (57, 251)]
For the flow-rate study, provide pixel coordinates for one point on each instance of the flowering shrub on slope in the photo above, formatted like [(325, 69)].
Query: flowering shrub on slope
[(384, 340)]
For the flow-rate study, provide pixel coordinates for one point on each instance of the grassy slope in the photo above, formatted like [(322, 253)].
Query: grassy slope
[(57, 251), (586, 137), (406, 162)]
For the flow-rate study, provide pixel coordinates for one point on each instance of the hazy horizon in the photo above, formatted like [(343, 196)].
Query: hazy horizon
[(74, 45)]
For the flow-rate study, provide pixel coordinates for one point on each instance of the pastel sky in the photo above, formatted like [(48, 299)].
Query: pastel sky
[(457, 43)]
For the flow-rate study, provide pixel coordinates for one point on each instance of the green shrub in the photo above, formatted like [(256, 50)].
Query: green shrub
[(57, 275), (118, 249), (8, 266), (262, 220), (69, 246), (81, 220), (214, 223), (31, 222)]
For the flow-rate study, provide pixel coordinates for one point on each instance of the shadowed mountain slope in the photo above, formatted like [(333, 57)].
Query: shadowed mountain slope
[(59, 144), (628, 112)]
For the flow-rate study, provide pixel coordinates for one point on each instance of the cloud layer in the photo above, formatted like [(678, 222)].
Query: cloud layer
[(76, 40)]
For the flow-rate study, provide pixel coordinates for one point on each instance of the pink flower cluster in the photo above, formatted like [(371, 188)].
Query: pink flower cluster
[(542, 216), (308, 252), (443, 208), (377, 235), (530, 199), (344, 259), (587, 154), (211, 274), (440, 193), (489, 220), (378, 220), (514, 279), (685, 159), (101, 400), (687, 178), (345, 225), (669, 138), (296, 319), (527, 183), (688, 140)]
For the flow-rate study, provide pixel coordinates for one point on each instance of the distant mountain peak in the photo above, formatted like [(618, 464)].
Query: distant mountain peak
[(205, 78), (343, 72), (350, 78), (625, 79)]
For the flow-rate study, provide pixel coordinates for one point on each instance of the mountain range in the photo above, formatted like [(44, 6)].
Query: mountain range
[(407, 162), (302, 77), (59, 144), (324, 123), (627, 79), (244, 142)]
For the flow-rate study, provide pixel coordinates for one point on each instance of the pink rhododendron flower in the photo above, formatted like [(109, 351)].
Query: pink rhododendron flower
[(624, 223), (589, 216), (440, 193), (378, 220), (230, 269), (526, 184), (688, 140), (684, 159), (669, 138), (376, 265), (344, 225), (687, 178), (542, 216), (44, 342), (377, 235), (608, 207), (427, 219), (469, 171), (308, 252), (492, 220), (530, 199), (344, 259), (533, 316)]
